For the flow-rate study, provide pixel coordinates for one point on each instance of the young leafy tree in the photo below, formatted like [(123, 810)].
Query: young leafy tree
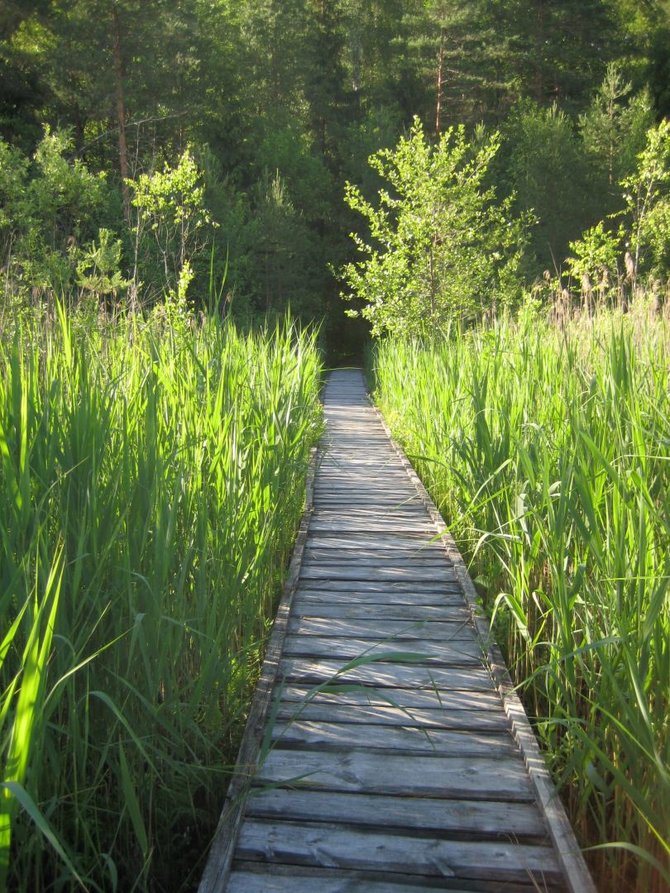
[(647, 196), (172, 223), (46, 219), (441, 248)]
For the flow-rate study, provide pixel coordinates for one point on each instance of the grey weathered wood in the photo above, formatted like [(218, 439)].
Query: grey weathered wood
[(319, 592), (391, 767), (446, 702), (344, 610), (327, 552), (406, 716), (390, 587), (403, 736), (381, 629), (477, 778), (251, 880), (467, 818), (459, 652), (363, 571), (352, 848), (385, 673)]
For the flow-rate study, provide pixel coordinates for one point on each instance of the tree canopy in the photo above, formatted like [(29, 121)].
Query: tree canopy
[(281, 102)]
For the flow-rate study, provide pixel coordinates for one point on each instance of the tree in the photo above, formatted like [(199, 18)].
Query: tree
[(647, 196), (563, 48), (546, 169), (171, 224), (464, 51), (613, 130), (441, 248), (47, 218)]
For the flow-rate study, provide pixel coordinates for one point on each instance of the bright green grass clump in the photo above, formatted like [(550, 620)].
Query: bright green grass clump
[(548, 452), (151, 481)]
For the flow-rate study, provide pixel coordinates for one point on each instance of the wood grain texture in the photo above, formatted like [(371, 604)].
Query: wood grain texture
[(345, 847)]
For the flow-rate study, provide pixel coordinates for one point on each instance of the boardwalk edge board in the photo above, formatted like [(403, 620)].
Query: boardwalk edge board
[(219, 860), (560, 829)]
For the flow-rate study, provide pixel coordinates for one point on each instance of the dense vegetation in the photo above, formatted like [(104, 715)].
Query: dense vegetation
[(546, 449), (152, 480), (140, 135), (171, 170)]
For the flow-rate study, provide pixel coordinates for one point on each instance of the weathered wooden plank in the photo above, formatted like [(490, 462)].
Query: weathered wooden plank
[(325, 734), (460, 652), (414, 561), (447, 702), (392, 519), (381, 477), (466, 818), (472, 778), (486, 720), (440, 631), (329, 552), (384, 673), (365, 493), (376, 572), (348, 479), (332, 845), (267, 880), (307, 606), (399, 512), (384, 598), (355, 524), (392, 563), (387, 773), (389, 587), (381, 544)]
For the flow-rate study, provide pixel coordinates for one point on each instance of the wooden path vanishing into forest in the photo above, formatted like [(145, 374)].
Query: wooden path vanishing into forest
[(385, 751)]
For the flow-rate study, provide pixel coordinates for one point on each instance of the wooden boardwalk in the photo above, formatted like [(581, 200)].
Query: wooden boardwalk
[(385, 752)]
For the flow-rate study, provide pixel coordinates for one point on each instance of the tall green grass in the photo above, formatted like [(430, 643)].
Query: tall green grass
[(548, 451), (151, 481)]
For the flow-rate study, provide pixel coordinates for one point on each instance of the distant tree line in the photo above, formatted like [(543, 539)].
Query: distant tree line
[(139, 135)]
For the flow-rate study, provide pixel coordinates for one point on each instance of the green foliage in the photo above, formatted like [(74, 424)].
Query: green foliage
[(442, 250), (545, 168), (599, 261), (595, 258), (614, 128), (151, 480), (172, 222), (546, 450), (647, 196), (99, 269), (49, 213)]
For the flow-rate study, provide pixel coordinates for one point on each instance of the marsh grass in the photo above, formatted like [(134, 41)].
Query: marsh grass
[(547, 450), (151, 482)]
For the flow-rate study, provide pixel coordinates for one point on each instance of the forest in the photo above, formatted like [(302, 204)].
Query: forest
[(142, 142), (205, 203)]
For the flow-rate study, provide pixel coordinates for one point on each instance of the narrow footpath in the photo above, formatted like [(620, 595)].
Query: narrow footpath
[(390, 754)]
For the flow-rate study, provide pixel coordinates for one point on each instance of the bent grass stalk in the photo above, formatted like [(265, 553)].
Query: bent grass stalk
[(547, 451), (153, 472)]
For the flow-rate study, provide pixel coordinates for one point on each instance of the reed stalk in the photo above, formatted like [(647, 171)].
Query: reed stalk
[(547, 450), (151, 482)]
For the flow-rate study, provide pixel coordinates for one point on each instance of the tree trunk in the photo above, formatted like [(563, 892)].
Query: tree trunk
[(540, 26), (120, 111), (439, 83)]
